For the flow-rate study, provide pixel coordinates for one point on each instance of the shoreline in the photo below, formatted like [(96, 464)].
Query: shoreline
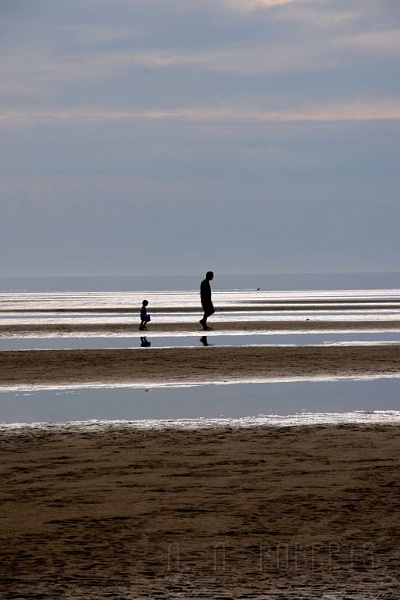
[(310, 420)]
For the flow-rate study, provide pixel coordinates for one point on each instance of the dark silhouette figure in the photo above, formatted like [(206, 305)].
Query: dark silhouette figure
[(206, 301), (144, 317), (144, 342)]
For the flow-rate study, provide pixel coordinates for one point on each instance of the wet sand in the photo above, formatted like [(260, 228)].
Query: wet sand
[(100, 303), (225, 327), (147, 366), (264, 512), (217, 513)]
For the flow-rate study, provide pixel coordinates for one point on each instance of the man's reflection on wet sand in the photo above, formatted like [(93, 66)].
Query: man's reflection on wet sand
[(145, 343), (204, 341)]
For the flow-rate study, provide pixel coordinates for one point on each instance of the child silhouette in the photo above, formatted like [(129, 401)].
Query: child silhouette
[(144, 317)]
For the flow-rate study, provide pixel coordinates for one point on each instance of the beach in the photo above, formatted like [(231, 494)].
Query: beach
[(207, 509), (189, 365), (71, 329), (259, 512)]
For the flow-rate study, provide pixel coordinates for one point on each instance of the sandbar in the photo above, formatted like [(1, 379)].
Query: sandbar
[(187, 365)]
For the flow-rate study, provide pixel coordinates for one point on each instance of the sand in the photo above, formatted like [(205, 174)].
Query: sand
[(149, 366), (215, 513), (304, 325), (265, 512)]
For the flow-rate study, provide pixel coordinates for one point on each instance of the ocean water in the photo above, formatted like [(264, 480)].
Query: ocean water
[(114, 301), (221, 282)]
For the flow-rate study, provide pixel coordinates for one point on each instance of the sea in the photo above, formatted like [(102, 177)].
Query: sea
[(259, 297)]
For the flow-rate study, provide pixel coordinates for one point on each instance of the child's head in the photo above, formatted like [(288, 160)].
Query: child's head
[(145, 302)]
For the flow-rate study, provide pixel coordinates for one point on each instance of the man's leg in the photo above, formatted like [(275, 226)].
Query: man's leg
[(208, 311)]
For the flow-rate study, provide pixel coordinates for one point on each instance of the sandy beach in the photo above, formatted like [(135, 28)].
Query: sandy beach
[(180, 328), (149, 366), (214, 512), (264, 512)]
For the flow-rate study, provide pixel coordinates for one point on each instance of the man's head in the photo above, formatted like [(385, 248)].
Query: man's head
[(209, 275)]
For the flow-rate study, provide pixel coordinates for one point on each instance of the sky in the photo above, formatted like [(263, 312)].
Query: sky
[(178, 136)]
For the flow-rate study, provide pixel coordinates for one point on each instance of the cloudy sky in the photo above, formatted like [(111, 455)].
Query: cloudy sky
[(175, 136)]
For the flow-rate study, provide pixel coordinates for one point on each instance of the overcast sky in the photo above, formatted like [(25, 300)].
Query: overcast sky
[(177, 136)]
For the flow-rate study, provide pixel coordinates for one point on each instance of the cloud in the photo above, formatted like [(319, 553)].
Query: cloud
[(302, 36), (30, 67), (375, 42), (357, 111), (249, 5), (30, 70)]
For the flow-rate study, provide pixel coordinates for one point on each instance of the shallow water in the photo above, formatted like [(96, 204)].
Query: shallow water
[(195, 339), (300, 400), (182, 299), (234, 309)]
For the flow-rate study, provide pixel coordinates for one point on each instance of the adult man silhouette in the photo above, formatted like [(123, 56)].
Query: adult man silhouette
[(206, 301)]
